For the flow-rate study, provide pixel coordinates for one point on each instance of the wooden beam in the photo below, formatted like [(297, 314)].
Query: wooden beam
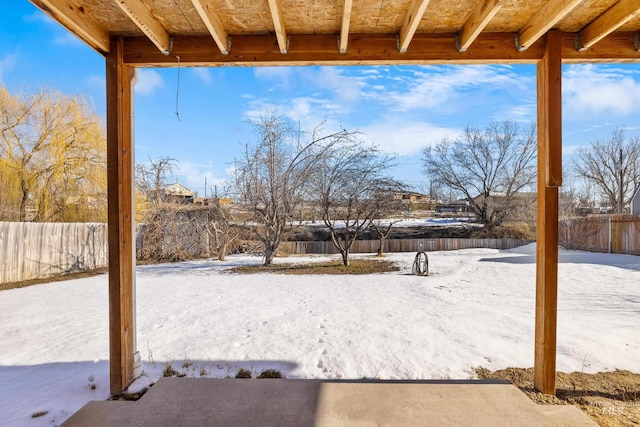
[(344, 29), (608, 22), (320, 49), (72, 15), (549, 75), (552, 13), (207, 11), (121, 219), (481, 16), (144, 19), (370, 49), (278, 26), (411, 22)]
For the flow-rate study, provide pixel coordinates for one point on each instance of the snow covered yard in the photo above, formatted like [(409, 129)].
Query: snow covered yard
[(475, 309)]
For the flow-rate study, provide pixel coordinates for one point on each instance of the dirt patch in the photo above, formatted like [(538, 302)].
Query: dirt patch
[(70, 276), (609, 398), (357, 266)]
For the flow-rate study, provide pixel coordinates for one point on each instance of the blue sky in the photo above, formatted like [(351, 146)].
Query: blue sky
[(400, 109)]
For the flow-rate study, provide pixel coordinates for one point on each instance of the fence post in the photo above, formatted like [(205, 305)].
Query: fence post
[(609, 234)]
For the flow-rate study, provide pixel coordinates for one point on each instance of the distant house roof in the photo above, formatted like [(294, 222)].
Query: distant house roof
[(178, 189)]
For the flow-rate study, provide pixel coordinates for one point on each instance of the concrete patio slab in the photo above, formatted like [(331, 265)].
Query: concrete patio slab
[(271, 402)]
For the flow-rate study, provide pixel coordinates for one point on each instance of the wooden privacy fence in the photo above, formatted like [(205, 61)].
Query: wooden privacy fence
[(31, 250), (618, 234), (401, 245)]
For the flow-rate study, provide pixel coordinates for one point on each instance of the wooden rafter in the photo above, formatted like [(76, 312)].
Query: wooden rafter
[(73, 17), (206, 10), (552, 13), (142, 17), (481, 16), (410, 24), (278, 25), (605, 24), (344, 28)]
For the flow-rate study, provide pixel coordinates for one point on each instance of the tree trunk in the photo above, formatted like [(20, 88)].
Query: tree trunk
[(23, 206), (222, 252), (345, 258), (268, 255), (381, 247)]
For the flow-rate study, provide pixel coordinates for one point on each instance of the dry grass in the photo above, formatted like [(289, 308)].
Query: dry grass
[(609, 398), (357, 266), (70, 276)]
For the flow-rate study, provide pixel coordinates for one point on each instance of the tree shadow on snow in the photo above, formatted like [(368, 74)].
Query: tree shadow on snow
[(629, 262)]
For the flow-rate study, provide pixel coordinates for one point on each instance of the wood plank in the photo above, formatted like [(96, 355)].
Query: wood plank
[(72, 15), (207, 11), (320, 49), (608, 22), (144, 19), (481, 16), (549, 120), (370, 49), (552, 13), (278, 25), (618, 47), (553, 100), (344, 28), (411, 22), (121, 219)]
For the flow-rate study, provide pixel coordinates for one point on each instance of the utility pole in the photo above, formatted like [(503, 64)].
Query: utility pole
[(205, 186), (620, 192)]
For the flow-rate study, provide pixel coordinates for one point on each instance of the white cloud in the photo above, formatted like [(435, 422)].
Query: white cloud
[(194, 175), (37, 16), (7, 62), (67, 39), (430, 87), (148, 81), (344, 88), (405, 138), (522, 113), (96, 82), (603, 92), (203, 74), (282, 75), (307, 111), (259, 108)]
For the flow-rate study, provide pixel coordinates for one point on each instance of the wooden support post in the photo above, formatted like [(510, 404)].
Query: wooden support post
[(121, 219), (549, 76)]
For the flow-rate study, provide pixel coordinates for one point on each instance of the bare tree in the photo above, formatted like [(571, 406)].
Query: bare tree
[(161, 222), (388, 207), (613, 166), (272, 177), (219, 225), (348, 183), (486, 167), (151, 178)]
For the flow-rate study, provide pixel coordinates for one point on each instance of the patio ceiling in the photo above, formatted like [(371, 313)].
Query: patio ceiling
[(304, 32)]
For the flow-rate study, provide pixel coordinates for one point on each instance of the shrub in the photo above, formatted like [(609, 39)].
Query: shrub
[(243, 373), (271, 373)]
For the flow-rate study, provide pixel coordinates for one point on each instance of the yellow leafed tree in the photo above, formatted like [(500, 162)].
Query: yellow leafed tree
[(52, 159)]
